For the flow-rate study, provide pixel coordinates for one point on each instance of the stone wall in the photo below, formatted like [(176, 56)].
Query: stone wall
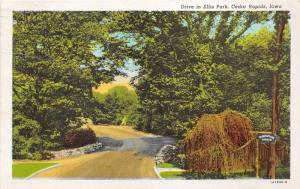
[(166, 154), (77, 151), (170, 154)]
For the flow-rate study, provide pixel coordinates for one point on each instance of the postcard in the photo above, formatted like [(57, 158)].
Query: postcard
[(149, 94)]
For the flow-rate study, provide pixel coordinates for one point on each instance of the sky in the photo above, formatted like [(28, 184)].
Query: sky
[(130, 68), (255, 27)]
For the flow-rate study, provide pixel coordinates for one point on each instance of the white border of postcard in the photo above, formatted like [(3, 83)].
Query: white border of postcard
[(6, 181)]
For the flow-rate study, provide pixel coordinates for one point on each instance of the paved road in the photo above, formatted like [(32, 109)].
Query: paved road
[(123, 158), (148, 146)]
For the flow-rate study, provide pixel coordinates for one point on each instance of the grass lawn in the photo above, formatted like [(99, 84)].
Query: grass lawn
[(281, 173), (23, 170), (172, 174), (165, 165)]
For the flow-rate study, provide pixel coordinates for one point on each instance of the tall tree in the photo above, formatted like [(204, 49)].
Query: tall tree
[(280, 19), (58, 58), (180, 57)]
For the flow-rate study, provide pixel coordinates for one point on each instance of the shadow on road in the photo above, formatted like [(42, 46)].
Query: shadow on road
[(148, 146)]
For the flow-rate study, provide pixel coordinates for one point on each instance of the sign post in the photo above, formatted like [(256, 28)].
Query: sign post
[(257, 159), (262, 138), (267, 138)]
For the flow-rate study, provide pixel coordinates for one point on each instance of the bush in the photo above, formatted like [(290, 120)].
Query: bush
[(26, 139), (208, 144), (79, 137)]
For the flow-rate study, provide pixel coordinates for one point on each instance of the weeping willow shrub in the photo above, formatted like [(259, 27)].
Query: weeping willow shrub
[(209, 145)]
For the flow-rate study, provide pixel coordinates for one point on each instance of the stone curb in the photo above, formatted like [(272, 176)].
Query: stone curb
[(157, 172), (42, 170)]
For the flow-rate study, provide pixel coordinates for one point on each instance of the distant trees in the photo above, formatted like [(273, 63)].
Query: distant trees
[(119, 106)]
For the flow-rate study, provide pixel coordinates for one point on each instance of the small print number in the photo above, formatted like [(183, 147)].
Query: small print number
[(279, 181)]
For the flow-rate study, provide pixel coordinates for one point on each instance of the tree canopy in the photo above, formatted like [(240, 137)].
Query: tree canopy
[(55, 67), (189, 64)]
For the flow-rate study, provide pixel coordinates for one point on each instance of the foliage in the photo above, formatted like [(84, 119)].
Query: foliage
[(22, 170), (54, 70), (26, 142), (117, 107), (192, 63), (281, 173), (215, 136), (189, 63), (195, 63), (79, 137), (254, 57), (230, 175)]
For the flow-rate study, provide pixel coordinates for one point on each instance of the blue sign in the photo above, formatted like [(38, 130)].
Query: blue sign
[(268, 138)]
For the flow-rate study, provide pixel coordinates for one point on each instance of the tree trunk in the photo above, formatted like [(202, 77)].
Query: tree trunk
[(280, 23)]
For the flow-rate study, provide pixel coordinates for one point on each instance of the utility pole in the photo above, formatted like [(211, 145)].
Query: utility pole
[(280, 19)]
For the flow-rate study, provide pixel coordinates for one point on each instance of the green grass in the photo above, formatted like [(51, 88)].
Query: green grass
[(172, 174), (281, 173), (165, 165), (22, 170)]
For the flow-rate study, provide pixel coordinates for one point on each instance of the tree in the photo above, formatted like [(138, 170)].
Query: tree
[(190, 64), (181, 56), (117, 107), (55, 68), (280, 19)]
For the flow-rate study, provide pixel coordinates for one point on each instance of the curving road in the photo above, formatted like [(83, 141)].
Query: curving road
[(127, 154)]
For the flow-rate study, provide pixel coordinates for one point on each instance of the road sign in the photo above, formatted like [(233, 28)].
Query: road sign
[(267, 138)]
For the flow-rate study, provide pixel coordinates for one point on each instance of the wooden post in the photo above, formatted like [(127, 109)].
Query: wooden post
[(257, 159)]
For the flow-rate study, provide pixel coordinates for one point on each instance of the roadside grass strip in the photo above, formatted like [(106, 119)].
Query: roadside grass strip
[(165, 165), (27, 170), (172, 174), (169, 171)]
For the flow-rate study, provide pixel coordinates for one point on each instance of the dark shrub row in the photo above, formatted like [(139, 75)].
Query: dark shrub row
[(79, 137)]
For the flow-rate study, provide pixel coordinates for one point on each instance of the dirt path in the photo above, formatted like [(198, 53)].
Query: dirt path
[(134, 158)]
